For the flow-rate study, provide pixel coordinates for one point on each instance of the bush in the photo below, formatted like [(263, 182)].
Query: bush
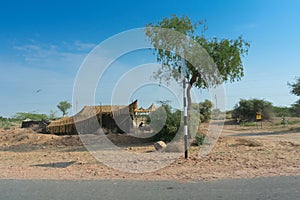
[(204, 109), (171, 120), (293, 122), (249, 124), (200, 139), (7, 123), (168, 120), (279, 111), (295, 109)]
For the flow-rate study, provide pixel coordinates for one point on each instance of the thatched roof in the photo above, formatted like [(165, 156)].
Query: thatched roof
[(62, 121), (148, 110), (91, 111)]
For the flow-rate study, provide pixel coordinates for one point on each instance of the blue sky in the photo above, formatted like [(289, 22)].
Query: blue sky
[(43, 44)]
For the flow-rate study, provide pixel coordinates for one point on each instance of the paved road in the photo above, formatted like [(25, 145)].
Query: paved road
[(260, 188)]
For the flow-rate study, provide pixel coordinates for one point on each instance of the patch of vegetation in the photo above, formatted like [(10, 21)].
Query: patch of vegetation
[(295, 89), (63, 106), (248, 124), (170, 120), (200, 139), (26, 115), (247, 109), (282, 111), (7, 123), (167, 122), (205, 110), (293, 122), (277, 123)]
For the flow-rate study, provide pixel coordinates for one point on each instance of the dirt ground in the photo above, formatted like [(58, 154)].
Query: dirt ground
[(241, 152)]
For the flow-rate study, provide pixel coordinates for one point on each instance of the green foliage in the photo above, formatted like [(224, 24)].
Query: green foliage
[(293, 122), (247, 109), (6, 123), (171, 122), (295, 109), (225, 53), (205, 110), (295, 87), (249, 124), (63, 106), (279, 111), (26, 115), (199, 139)]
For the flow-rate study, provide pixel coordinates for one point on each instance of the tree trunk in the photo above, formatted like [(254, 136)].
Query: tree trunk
[(189, 98), (188, 92)]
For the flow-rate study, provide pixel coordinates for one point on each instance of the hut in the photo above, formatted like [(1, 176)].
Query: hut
[(117, 119)]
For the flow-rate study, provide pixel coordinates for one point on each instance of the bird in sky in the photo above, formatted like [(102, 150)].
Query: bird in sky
[(39, 90)]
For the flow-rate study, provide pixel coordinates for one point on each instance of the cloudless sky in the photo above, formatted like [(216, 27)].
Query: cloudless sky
[(43, 44)]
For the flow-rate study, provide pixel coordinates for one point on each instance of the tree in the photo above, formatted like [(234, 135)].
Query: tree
[(279, 111), (205, 110), (247, 109), (295, 109), (295, 87), (227, 54), (63, 106), (33, 116)]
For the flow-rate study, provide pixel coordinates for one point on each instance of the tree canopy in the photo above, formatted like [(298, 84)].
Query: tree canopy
[(247, 109), (295, 87), (199, 53), (26, 115), (63, 106)]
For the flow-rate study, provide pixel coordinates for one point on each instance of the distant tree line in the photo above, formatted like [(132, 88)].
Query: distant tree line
[(247, 110)]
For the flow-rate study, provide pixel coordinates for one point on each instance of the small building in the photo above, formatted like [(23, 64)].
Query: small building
[(116, 119)]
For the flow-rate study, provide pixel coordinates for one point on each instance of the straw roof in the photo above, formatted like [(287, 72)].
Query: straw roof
[(148, 110), (92, 111), (62, 121)]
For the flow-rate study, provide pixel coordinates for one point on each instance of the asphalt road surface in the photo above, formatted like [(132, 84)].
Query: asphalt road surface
[(259, 188)]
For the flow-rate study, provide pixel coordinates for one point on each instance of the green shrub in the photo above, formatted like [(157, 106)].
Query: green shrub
[(200, 139), (167, 119), (6, 123), (292, 122), (249, 124), (204, 109), (277, 123)]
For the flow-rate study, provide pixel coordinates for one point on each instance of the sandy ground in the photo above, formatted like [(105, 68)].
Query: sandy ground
[(239, 153)]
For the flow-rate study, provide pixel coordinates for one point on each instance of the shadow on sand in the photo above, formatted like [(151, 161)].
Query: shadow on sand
[(55, 165)]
